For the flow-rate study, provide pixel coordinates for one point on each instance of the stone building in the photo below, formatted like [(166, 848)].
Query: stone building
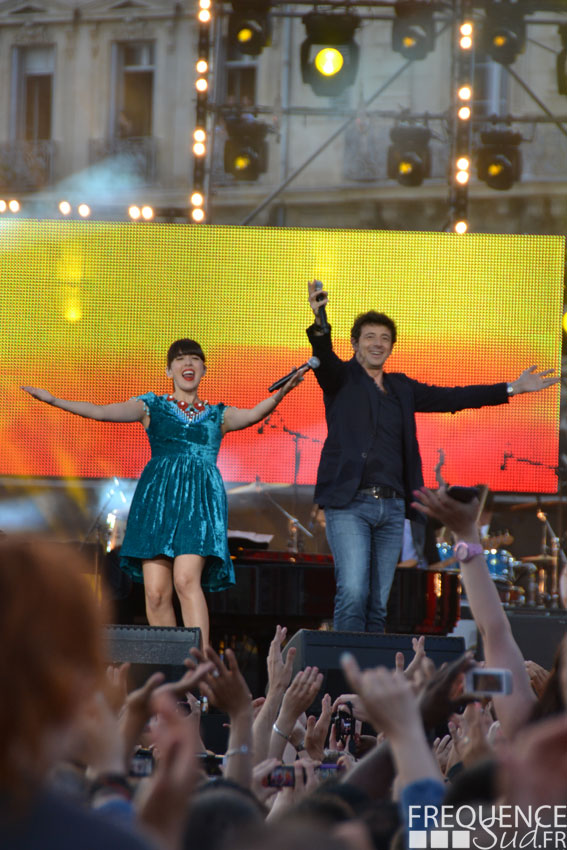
[(97, 104)]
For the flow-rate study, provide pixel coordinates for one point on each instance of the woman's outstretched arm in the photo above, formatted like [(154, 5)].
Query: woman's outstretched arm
[(236, 418), (132, 410)]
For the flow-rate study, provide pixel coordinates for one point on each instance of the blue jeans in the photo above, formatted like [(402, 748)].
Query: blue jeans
[(366, 539)]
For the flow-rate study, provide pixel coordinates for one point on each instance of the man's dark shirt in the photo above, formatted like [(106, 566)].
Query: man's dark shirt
[(385, 464)]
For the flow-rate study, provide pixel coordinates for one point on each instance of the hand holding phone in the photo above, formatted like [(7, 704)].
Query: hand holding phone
[(488, 682)]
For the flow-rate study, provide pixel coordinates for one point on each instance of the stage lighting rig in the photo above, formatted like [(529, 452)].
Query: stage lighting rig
[(499, 162), (246, 149), (329, 55), (413, 31), (249, 26), (504, 32), (409, 157)]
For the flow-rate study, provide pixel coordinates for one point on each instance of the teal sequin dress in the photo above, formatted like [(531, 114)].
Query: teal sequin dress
[(180, 506)]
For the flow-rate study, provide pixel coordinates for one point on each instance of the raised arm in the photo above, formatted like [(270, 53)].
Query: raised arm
[(132, 410), (237, 418), (500, 647)]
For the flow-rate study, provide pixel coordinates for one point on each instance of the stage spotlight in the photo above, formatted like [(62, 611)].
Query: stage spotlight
[(64, 207), (147, 213), (3, 206), (84, 210), (329, 55), (504, 32), (14, 206), (461, 226), (197, 199), (413, 32), (246, 149), (409, 157), (198, 215), (499, 162), (249, 26), (134, 212)]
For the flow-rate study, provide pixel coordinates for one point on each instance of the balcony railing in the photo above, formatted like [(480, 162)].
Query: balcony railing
[(26, 166), (136, 156)]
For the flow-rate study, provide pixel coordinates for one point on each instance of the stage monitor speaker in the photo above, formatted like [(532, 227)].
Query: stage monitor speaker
[(538, 634), (151, 648), (324, 649)]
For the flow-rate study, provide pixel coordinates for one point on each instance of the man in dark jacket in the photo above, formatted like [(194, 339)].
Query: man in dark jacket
[(370, 464)]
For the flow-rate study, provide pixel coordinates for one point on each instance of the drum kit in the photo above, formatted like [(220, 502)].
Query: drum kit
[(532, 581)]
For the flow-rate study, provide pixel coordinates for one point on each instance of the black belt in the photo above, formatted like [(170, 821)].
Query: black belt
[(381, 492)]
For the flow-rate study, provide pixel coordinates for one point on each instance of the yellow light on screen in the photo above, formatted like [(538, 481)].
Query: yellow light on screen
[(465, 93), (147, 213), (197, 199), (466, 28), (199, 149), (461, 226), (329, 61), (84, 210), (464, 113), (14, 206), (199, 135), (204, 16), (463, 163), (462, 177), (201, 84), (198, 214), (466, 42), (64, 207), (202, 66), (134, 212), (3, 206)]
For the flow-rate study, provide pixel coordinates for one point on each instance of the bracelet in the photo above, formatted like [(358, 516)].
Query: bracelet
[(238, 751), (300, 747), (280, 733)]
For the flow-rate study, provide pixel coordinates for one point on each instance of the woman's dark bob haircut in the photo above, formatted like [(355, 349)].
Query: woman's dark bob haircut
[(184, 346)]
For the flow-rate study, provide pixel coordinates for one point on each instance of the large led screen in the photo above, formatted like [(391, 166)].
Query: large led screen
[(90, 308)]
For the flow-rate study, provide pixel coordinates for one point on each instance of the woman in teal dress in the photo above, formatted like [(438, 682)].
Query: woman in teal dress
[(176, 532)]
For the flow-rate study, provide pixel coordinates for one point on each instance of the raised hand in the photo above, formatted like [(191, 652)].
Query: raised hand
[(460, 517), (225, 686), (317, 728), (279, 673), (442, 694), (532, 381), (40, 395), (300, 695), (317, 297)]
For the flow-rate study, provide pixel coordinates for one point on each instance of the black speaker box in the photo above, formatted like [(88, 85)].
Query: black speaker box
[(324, 649), (151, 648), (538, 634)]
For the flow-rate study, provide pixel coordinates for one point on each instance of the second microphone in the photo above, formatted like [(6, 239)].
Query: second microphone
[(312, 363)]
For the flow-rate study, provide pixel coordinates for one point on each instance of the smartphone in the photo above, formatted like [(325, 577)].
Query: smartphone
[(327, 771), (142, 763), (211, 763), (486, 682), (342, 721), (463, 494), (282, 776)]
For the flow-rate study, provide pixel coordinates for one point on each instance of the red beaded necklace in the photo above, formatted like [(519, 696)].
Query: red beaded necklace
[(191, 411)]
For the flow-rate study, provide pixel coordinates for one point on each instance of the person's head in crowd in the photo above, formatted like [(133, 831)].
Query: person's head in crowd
[(52, 657), (288, 836), (220, 811)]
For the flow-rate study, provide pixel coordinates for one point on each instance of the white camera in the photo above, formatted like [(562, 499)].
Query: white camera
[(487, 682)]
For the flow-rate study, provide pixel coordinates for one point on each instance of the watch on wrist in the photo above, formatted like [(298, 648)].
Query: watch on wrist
[(465, 552), (510, 389)]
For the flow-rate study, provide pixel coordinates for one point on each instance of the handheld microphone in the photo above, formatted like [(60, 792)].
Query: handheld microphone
[(322, 313), (312, 363)]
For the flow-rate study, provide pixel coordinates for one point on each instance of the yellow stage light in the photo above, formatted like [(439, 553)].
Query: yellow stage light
[(3, 206), (463, 163), (64, 207), (466, 28), (202, 66), (464, 113), (14, 206), (466, 42), (329, 61), (199, 135), (201, 84), (461, 226), (147, 213), (199, 149), (204, 16), (134, 212), (84, 210), (197, 199), (465, 93), (198, 214), (462, 177), (204, 4)]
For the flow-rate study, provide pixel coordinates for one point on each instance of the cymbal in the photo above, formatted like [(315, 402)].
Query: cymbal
[(534, 559), (255, 487), (531, 506)]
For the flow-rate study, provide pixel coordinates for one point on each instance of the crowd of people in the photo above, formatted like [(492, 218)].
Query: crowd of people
[(289, 779)]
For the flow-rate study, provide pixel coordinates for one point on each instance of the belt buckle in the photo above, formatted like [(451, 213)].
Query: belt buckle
[(376, 492)]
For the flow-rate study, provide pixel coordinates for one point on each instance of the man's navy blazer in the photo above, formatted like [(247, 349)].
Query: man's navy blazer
[(351, 410)]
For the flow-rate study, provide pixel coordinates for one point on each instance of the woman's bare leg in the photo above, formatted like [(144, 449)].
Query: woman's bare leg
[(187, 571), (158, 587)]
